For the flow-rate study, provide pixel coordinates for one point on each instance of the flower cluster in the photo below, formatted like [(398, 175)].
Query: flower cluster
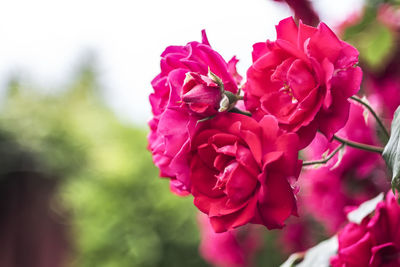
[(241, 166)]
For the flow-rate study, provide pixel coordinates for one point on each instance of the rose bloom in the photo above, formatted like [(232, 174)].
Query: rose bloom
[(304, 79), (235, 248), (241, 171), (174, 121), (375, 241)]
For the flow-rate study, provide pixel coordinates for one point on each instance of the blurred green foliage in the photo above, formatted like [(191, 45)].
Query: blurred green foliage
[(121, 214), (376, 42)]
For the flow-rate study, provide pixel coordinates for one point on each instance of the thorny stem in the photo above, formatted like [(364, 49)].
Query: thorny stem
[(325, 159), (370, 109), (359, 145)]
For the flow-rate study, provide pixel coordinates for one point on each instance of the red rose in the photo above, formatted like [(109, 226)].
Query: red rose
[(304, 79), (241, 171), (375, 242)]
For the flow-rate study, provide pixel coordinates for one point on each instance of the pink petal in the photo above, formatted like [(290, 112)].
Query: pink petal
[(287, 30)]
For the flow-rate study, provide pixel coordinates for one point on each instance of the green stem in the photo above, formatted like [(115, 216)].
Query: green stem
[(325, 159), (359, 145), (236, 110), (370, 109)]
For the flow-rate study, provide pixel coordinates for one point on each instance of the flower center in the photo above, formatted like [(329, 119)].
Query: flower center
[(286, 89), (224, 176)]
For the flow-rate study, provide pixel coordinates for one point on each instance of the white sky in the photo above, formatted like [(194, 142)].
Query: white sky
[(44, 39)]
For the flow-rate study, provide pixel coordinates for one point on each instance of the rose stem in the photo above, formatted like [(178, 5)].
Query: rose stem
[(359, 145), (325, 159), (236, 110), (359, 100)]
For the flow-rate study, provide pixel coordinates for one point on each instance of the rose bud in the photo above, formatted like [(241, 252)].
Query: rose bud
[(201, 94)]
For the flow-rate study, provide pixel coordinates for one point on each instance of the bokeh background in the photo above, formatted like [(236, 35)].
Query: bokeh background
[(77, 185)]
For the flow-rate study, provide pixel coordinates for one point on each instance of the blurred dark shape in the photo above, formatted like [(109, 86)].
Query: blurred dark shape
[(303, 10), (31, 232)]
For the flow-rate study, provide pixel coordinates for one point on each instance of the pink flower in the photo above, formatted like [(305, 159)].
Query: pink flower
[(298, 235), (234, 248), (201, 94), (241, 171), (325, 197), (174, 124), (304, 79), (375, 241)]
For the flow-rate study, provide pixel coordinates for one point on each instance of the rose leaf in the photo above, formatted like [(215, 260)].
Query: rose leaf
[(391, 153)]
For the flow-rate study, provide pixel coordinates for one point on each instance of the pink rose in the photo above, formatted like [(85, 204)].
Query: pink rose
[(304, 79), (173, 124), (375, 241), (235, 248), (241, 171)]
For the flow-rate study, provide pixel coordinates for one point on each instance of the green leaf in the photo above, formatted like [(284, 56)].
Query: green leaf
[(376, 45), (391, 153)]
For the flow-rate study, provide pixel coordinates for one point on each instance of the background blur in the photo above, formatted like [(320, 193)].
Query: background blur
[(77, 185)]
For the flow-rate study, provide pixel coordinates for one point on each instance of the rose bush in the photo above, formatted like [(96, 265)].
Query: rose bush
[(174, 122), (375, 241), (304, 79), (241, 171)]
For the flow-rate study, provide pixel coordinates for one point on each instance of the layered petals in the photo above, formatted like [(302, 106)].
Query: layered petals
[(374, 242), (304, 79), (242, 170)]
